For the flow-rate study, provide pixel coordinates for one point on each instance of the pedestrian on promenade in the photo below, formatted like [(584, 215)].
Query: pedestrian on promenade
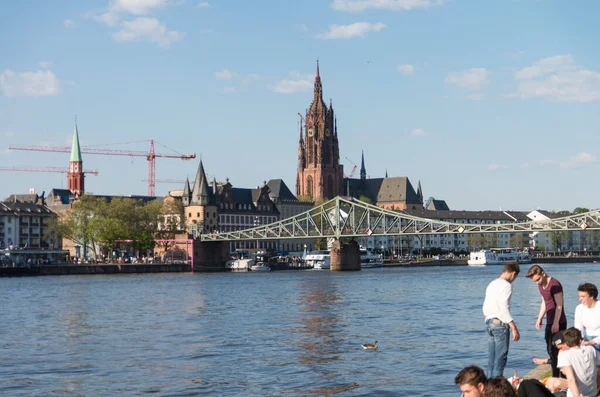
[(499, 387), (498, 320), (471, 381), (552, 307), (587, 314)]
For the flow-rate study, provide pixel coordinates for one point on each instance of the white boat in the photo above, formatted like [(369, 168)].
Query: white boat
[(260, 267), (368, 259), (498, 256), (318, 259), (242, 264)]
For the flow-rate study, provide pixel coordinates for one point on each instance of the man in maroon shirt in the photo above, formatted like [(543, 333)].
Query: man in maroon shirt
[(553, 307)]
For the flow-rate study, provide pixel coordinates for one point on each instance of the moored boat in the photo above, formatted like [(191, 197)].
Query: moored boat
[(318, 259), (498, 256), (369, 259)]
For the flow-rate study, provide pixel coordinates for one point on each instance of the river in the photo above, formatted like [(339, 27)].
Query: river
[(286, 333)]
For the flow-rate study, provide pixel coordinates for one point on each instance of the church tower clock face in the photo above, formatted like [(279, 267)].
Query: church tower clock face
[(326, 131), (311, 132)]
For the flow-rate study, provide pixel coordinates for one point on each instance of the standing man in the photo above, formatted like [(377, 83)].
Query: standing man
[(552, 306), (498, 321)]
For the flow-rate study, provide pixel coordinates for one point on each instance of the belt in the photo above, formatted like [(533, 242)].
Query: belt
[(494, 320)]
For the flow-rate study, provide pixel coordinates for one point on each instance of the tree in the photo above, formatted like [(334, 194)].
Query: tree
[(77, 225), (172, 222), (517, 240), (557, 237), (365, 199), (580, 210), (475, 241)]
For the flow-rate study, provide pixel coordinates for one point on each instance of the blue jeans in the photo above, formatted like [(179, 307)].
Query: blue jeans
[(498, 340)]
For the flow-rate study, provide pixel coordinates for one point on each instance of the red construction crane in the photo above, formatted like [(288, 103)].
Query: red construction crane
[(353, 169), (150, 156), (44, 169)]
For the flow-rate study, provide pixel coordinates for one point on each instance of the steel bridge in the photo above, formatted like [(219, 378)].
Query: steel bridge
[(349, 217)]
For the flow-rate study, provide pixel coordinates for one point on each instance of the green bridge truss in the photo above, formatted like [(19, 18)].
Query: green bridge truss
[(348, 217)]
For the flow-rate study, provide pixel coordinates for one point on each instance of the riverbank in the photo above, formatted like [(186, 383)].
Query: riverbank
[(108, 268)]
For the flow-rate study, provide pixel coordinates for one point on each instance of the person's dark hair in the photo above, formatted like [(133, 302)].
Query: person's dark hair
[(499, 387), (573, 337), (472, 375), (589, 288), (511, 267), (534, 270)]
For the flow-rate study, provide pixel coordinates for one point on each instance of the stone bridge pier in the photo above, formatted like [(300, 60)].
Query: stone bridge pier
[(209, 256), (345, 256)]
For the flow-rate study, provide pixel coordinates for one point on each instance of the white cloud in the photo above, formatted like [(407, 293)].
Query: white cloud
[(472, 79), (495, 167), (361, 5), (225, 75), (229, 90), (406, 69), (40, 83), (302, 27), (418, 132), (578, 160), (109, 18), (67, 23), (147, 29), (137, 7), (558, 78), (45, 64), (545, 163), (297, 83), (358, 29), (203, 4)]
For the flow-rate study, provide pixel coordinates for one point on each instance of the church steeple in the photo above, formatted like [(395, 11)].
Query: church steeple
[(420, 193), (75, 176), (363, 170), (318, 87), (187, 193), (200, 194)]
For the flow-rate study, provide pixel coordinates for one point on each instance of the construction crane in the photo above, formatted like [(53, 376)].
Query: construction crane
[(150, 156), (353, 169), (44, 169)]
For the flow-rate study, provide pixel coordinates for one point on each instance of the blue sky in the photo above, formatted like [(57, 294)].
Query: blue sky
[(490, 104)]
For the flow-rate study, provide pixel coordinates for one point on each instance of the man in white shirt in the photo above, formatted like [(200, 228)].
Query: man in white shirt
[(578, 363), (498, 321)]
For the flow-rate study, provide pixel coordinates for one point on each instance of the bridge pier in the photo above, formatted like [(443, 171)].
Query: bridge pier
[(209, 256), (345, 256)]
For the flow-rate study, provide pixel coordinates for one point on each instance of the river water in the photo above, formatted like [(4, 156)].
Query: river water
[(286, 333)]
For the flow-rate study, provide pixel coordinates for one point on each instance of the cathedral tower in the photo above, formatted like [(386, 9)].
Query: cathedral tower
[(75, 176), (320, 175)]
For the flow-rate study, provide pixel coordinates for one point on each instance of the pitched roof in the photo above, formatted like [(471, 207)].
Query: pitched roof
[(75, 151), (433, 204), (383, 190), (461, 214), (280, 192)]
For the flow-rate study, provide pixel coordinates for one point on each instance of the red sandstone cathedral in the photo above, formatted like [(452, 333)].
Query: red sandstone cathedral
[(320, 175)]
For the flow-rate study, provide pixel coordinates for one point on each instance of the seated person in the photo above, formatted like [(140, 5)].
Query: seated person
[(578, 362), (471, 381), (499, 387)]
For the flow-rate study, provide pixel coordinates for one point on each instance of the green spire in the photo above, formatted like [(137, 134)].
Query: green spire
[(75, 152)]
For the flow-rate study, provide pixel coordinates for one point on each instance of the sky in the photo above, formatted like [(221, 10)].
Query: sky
[(492, 105)]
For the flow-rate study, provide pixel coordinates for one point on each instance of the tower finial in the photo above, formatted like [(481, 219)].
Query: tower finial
[(318, 67)]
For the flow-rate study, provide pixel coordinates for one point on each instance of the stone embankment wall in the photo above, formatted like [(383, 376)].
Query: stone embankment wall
[(55, 270)]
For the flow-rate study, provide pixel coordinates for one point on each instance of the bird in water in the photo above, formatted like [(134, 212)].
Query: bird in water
[(370, 346)]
